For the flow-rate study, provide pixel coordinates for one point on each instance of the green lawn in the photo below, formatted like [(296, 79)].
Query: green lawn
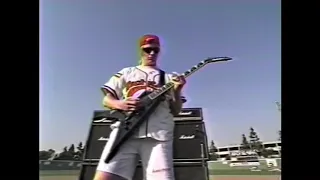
[(73, 177)]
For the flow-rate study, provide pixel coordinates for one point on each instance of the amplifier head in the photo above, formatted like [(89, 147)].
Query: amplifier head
[(103, 116), (189, 114)]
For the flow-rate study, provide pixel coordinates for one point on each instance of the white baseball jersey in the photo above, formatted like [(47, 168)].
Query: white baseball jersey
[(131, 81)]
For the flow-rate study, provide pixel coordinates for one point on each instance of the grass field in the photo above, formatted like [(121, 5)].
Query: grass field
[(218, 170), (73, 175), (249, 177)]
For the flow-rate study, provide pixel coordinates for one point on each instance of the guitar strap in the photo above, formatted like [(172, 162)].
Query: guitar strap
[(162, 78), (162, 81)]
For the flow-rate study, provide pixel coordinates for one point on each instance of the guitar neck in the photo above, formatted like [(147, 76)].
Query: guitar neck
[(186, 74)]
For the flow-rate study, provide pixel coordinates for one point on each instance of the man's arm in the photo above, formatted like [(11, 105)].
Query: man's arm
[(176, 102), (112, 90), (109, 101)]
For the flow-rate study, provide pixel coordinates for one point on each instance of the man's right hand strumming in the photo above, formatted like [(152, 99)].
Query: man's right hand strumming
[(129, 104)]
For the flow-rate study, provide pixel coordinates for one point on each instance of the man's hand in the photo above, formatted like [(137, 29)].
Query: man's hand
[(176, 104), (179, 81), (129, 104)]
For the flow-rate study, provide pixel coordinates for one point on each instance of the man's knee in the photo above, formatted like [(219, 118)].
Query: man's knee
[(107, 176)]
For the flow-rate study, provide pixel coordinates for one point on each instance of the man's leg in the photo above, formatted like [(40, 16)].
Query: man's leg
[(157, 159), (122, 166)]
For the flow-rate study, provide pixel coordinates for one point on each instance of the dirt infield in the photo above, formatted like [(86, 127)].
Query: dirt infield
[(211, 177)]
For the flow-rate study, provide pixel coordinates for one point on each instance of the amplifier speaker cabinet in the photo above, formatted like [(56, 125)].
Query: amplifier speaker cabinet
[(98, 134), (97, 139), (190, 139), (182, 171)]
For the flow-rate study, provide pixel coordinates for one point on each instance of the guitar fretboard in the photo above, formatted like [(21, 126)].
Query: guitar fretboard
[(187, 73)]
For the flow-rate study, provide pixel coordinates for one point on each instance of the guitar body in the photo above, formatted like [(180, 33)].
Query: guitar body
[(128, 123)]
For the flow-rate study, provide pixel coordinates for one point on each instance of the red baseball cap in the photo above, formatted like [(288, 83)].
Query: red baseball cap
[(149, 39)]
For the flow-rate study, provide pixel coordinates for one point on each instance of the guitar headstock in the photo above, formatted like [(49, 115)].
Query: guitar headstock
[(187, 73), (216, 59)]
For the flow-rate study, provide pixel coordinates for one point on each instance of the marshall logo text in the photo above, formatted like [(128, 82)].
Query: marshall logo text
[(187, 137), (103, 120), (185, 113), (103, 139)]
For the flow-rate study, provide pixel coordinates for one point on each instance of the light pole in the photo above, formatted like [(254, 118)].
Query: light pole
[(279, 109), (278, 106)]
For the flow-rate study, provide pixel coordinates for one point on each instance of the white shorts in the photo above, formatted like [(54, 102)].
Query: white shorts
[(156, 157)]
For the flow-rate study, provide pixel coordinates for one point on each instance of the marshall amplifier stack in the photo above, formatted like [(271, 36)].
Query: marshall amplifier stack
[(190, 146), (190, 137)]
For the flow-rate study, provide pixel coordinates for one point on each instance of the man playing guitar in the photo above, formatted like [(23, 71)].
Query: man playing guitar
[(153, 141)]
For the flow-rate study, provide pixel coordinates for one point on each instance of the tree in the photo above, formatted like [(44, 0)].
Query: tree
[(45, 155), (80, 150), (212, 151), (71, 153), (65, 149), (279, 133), (266, 153), (71, 149), (255, 141), (245, 145), (80, 146), (51, 151), (65, 155)]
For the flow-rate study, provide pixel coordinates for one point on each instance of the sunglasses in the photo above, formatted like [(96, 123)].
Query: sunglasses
[(151, 49)]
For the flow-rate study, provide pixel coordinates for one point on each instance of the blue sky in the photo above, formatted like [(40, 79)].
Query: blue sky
[(83, 42)]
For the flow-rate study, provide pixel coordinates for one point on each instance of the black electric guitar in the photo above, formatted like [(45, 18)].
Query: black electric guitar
[(128, 122)]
